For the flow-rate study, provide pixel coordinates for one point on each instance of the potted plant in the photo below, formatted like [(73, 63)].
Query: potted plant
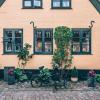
[(74, 75), (91, 78), (11, 76)]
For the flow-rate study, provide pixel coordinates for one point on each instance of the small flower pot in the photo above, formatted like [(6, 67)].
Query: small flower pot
[(74, 79)]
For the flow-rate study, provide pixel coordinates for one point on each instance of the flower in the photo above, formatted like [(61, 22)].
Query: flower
[(11, 72), (91, 73)]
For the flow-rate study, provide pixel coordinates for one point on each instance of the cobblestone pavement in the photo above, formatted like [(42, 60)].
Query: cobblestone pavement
[(77, 91), (49, 95)]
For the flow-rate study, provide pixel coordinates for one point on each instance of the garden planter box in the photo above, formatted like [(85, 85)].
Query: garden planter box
[(10, 79)]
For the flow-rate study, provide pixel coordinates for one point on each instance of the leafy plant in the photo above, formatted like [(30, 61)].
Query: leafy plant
[(23, 78), (24, 55), (97, 77), (62, 55), (62, 58), (44, 75), (74, 72), (19, 75)]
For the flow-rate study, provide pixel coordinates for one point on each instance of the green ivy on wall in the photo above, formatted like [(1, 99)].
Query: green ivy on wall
[(62, 57)]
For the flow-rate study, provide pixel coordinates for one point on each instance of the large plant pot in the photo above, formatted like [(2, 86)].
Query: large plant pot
[(11, 80), (91, 82), (74, 79)]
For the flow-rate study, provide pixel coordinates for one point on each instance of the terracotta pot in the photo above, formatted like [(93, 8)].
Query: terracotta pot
[(74, 79)]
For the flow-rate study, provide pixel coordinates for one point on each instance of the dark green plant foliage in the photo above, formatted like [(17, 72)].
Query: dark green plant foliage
[(62, 58), (97, 77), (44, 75), (20, 77), (24, 55), (74, 72), (62, 36)]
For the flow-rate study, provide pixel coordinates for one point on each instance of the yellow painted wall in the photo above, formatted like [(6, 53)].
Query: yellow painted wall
[(13, 16)]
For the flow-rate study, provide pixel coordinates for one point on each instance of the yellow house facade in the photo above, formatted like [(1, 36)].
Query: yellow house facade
[(16, 30)]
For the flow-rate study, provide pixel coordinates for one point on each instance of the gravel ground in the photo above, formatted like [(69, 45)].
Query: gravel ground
[(75, 91)]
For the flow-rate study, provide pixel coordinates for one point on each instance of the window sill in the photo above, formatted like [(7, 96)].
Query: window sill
[(9, 54), (43, 54), (81, 54), (31, 8), (54, 8)]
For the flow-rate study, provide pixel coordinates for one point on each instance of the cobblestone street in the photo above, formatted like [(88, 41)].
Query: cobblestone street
[(49, 95), (77, 91)]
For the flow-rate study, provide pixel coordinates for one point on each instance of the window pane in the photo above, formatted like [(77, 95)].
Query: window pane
[(37, 3), (65, 3), (76, 44), (38, 42), (56, 3), (86, 34), (18, 33), (27, 3), (8, 47), (76, 47), (48, 42), (18, 40), (85, 44), (18, 48), (85, 47), (85, 40), (8, 34), (76, 34)]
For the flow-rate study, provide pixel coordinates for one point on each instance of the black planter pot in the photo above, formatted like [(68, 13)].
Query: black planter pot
[(11, 79), (91, 82)]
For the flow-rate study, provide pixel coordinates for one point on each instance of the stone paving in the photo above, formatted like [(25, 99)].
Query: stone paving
[(78, 92), (50, 95)]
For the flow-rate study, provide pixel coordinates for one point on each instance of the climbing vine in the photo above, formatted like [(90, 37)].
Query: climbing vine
[(62, 57)]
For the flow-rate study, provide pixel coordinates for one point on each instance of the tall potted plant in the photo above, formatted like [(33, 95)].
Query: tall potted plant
[(24, 56), (62, 58), (74, 75), (11, 76), (91, 78)]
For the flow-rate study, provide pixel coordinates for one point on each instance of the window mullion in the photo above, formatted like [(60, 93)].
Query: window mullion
[(60, 3), (13, 41), (81, 41), (32, 1), (43, 41)]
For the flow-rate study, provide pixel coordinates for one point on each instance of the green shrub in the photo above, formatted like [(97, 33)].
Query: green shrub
[(97, 77), (19, 75), (23, 78), (44, 75)]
